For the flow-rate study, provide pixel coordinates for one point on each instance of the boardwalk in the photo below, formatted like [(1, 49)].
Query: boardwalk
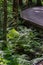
[(34, 15)]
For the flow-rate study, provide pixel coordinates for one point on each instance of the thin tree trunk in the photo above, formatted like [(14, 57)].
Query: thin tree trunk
[(15, 11), (5, 23), (20, 2)]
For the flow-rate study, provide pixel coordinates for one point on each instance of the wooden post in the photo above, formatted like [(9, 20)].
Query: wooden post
[(39, 3), (27, 3), (30, 3)]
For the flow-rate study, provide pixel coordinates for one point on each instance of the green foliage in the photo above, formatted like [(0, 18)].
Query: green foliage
[(12, 34), (21, 43), (3, 61), (25, 39)]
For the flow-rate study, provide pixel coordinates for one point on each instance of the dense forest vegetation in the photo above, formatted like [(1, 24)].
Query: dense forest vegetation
[(19, 44)]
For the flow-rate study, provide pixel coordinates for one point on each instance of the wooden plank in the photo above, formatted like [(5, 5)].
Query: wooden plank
[(34, 15)]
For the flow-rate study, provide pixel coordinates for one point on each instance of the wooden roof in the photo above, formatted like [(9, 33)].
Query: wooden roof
[(34, 15)]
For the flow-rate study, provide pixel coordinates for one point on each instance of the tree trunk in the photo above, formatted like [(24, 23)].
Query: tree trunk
[(5, 23)]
